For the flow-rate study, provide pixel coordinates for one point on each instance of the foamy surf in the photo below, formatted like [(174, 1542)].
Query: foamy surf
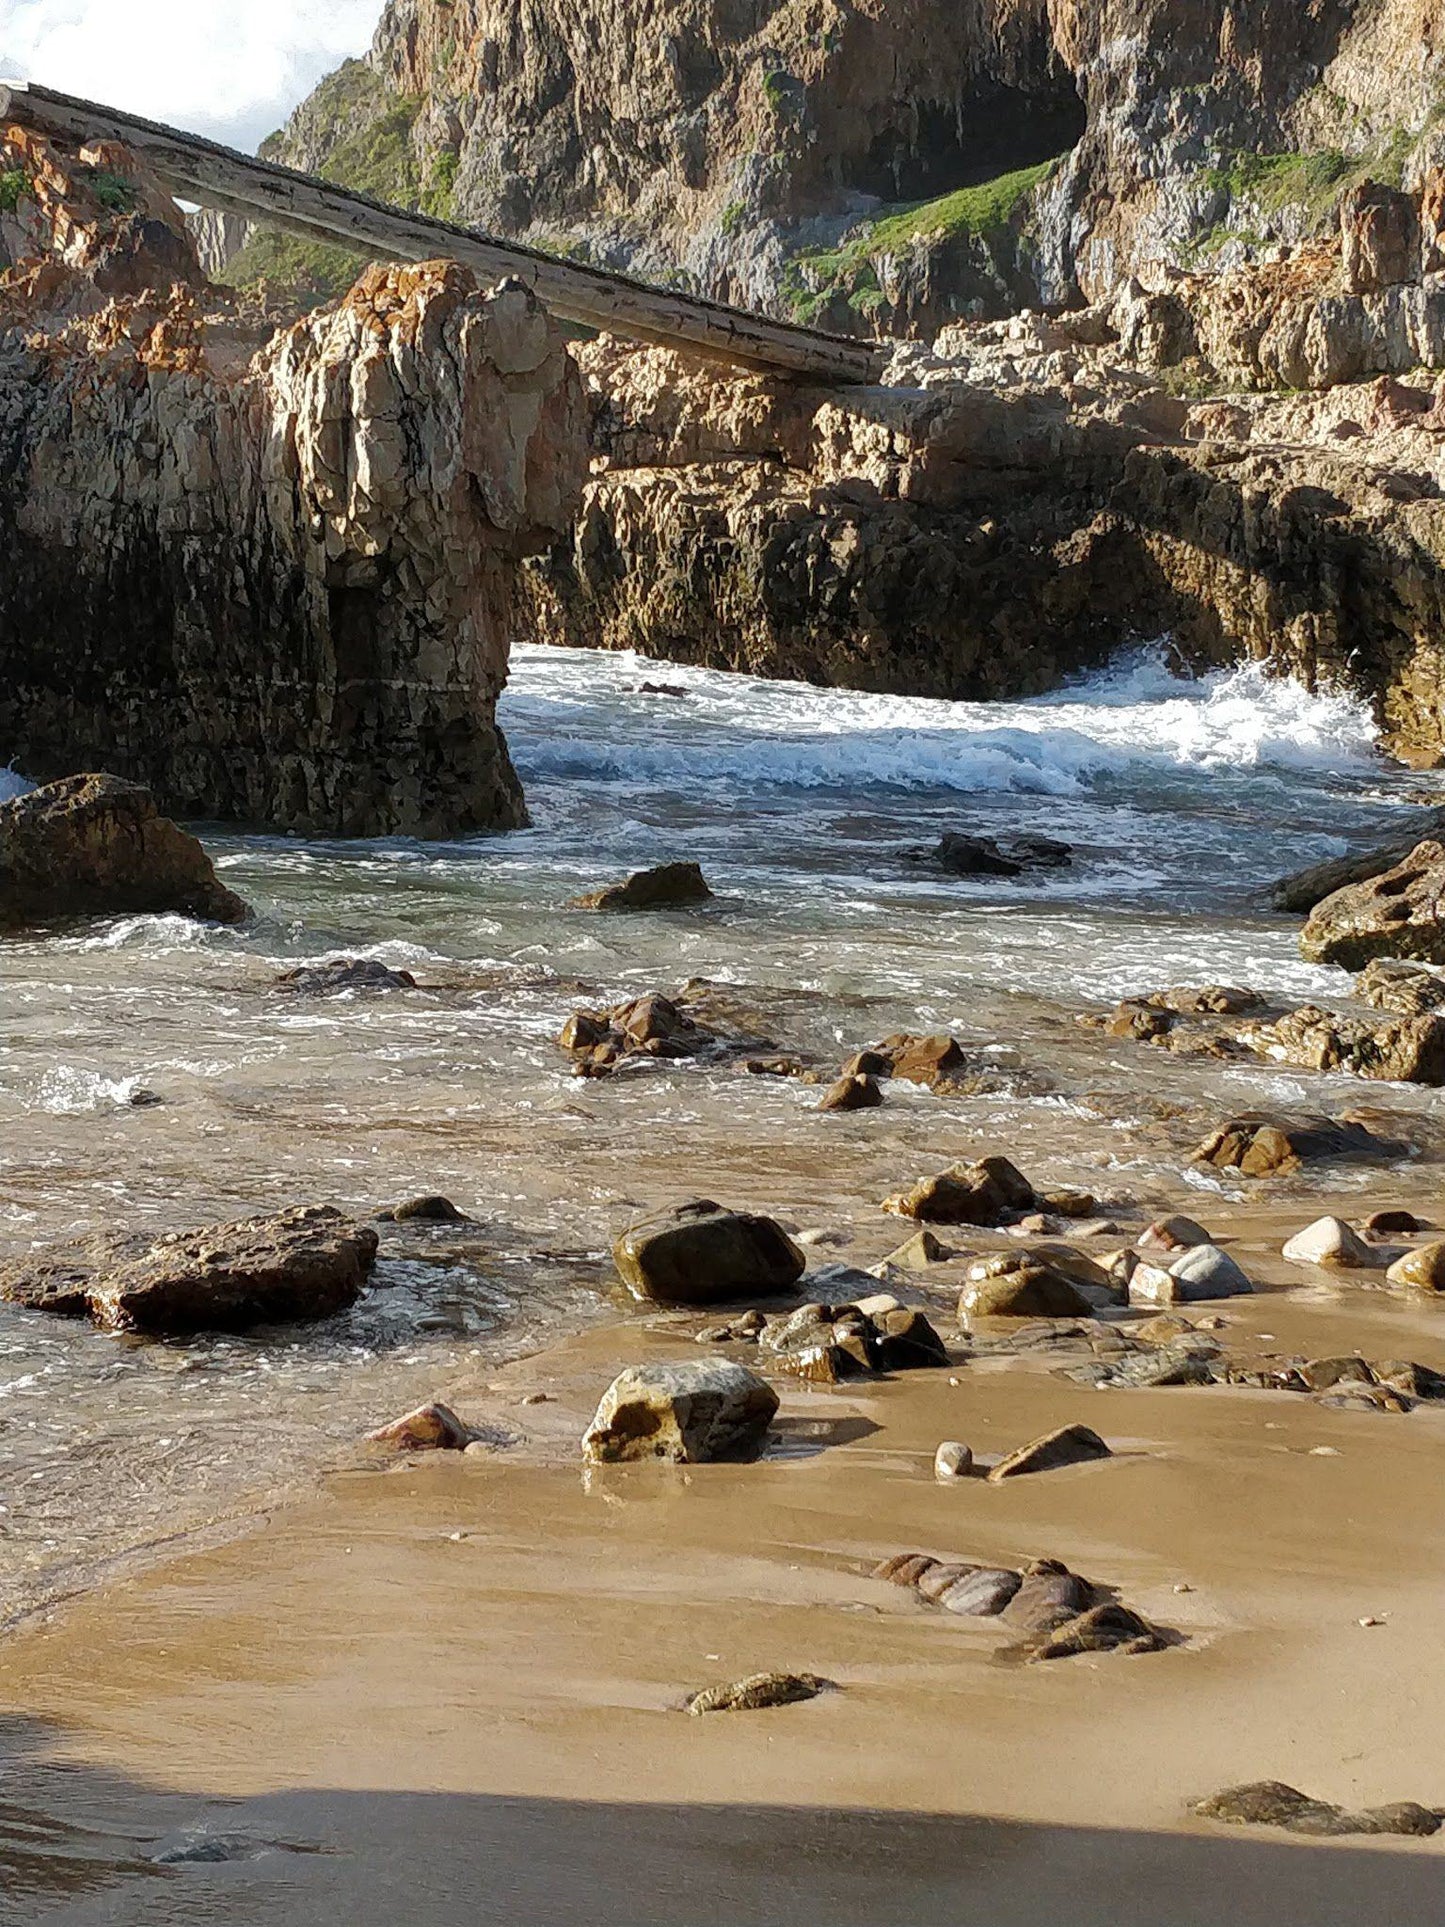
[(577, 717)]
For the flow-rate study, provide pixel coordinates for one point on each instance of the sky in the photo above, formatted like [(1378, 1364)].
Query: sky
[(232, 69)]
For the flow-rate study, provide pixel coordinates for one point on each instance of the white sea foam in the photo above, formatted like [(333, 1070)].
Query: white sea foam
[(67, 1089), (572, 722)]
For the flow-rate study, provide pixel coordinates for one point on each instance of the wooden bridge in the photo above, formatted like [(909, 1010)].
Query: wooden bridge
[(219, 177)]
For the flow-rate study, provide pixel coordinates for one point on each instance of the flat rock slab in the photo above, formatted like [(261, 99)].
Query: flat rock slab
[(1271, 1803), (687, 1413), (1070, 1445), (302, 1264)]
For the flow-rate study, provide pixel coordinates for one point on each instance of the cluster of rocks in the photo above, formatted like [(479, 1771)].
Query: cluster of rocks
[(823, 1343), (703, 1021), (1058, 1614), (1258, 1144), (988, 1192), (302, 1264), (1225, 1022), (1270, 1803), (343, 976), (94, 846)]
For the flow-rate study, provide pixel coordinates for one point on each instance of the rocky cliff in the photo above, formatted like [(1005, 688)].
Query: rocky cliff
[(882, 164), (264, 571), (1017, 502)]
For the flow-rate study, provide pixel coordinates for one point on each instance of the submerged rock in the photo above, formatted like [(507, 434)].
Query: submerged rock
[(670, 886), (759, 1692), (1258, 1145), (94, 846), (1070, 1445), (1271, 1803), (431, 1209), (302, 1264), (689, 1414), (1398, 913), (339, 975), (701, 1254)]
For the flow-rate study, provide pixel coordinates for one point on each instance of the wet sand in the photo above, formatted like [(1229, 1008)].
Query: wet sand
[(459, 1678)]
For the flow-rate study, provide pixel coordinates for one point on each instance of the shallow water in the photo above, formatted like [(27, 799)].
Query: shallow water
[(1183, 800)]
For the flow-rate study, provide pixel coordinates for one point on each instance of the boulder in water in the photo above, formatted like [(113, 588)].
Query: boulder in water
[(95, 846), (1026, 1291), (989, 1192), (852, 1094), (1258, 1145), (1330, 1241), (671, 886), (689, 1414), (430, 1428), (1422, 1270), (339, 976)]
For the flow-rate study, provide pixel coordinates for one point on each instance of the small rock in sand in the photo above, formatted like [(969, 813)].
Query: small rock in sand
[(1173, 1234), (759, 1692), (1203, 1271), (952, 1460), (1391, 1224), (917, 1253), (1070, 1445), (689, 1414), (430, 1428), (1330, 1241)]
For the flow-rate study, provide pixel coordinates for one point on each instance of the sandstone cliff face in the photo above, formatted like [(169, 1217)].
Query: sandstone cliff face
[(267, 574), (881, 164)]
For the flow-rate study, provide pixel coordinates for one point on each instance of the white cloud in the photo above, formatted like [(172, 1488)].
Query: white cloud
[(232, 69)]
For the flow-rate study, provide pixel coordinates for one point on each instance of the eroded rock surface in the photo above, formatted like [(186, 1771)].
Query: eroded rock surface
[(688, 1414), (265, 573), (91, 846)]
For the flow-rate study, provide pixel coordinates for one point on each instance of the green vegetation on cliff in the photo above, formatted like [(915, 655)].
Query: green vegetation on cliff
[(354, 131), (14, 186), (819, 279)]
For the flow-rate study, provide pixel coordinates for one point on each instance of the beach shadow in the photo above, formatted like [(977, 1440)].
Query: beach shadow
[(84, 1847)]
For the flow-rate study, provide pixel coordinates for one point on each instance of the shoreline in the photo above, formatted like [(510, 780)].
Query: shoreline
[(349, 1646)]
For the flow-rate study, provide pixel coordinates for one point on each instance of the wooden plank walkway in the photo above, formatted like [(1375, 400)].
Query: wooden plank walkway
[(219, 177)]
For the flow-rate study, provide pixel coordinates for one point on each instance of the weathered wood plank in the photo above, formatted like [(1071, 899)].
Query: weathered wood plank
[(219, 177)]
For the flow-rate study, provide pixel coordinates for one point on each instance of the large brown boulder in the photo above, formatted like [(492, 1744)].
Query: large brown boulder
[(302, 1264), (1396, 914), (688, 1414), (700, 1254), (92, 846), (992, 1191), (1259, 1146), (1404, 1050)]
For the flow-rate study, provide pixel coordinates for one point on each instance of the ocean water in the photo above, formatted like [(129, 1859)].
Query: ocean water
[(1182, 799)]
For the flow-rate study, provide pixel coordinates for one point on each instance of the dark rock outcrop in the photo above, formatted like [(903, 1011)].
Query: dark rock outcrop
[(672, 886), (91, 846)]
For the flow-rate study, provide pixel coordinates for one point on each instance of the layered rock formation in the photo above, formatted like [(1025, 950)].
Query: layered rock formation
[(1015, 505), (885, 164), (265, 573)]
